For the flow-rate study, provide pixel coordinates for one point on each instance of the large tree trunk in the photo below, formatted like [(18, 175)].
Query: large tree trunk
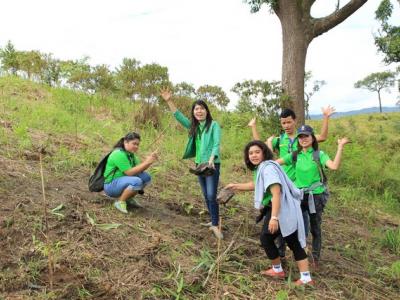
[(296, 36), (298, 30), (293, 66)]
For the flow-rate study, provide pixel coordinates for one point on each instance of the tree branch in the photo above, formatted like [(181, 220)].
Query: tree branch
[(309, 3), (322, 25), (306, 7)]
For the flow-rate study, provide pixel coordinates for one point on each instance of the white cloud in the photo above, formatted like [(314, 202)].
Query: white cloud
[(202, 42)]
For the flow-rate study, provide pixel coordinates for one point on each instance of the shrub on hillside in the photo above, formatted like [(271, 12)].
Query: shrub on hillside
[(147, 113)]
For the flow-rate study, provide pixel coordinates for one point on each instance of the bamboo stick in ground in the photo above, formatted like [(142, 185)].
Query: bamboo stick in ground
[(218, 260), (210, 271), (48, 243)]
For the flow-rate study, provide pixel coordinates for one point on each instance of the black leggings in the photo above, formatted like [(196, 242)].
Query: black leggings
[(314, 220), (267, 241)]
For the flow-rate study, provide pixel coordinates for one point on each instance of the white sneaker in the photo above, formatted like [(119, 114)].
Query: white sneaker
[(218, 234), (209, 224)]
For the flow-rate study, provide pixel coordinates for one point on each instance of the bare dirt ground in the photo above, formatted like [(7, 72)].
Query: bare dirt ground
[(159, 251)]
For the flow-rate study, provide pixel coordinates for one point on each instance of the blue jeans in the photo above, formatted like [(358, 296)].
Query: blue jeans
[(209, 186), (136, 183)]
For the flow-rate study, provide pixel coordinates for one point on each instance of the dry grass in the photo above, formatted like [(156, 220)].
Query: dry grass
[(154, 254)]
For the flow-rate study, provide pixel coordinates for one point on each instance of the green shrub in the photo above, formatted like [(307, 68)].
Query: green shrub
[(391, 240)]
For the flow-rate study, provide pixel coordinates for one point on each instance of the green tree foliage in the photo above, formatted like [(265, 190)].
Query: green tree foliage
[(376, 82), (213, 94), (263, 98), (141, 82), (31, 63), (127, 77), (131, 79), (102, 80), (51, 74), (9, 60), (76, 73), (388, 38), (185, 89), (151, 78), (81, 76)]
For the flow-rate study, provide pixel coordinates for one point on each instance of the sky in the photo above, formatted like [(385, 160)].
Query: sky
[(215, 42)]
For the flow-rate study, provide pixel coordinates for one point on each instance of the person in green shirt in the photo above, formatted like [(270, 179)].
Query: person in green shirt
[(309, 178), (203, 145), (124, 175), (279, 207), (287, 142)]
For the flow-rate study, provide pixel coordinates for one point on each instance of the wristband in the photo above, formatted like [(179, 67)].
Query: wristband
[(274, 218)]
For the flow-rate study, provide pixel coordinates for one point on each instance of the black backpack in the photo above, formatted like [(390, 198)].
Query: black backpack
[(277, 148), (96, 180)]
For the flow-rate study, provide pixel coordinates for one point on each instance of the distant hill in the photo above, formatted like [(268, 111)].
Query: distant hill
[(368, 110)]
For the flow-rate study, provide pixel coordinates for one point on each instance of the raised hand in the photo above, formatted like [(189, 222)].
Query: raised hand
[(328, 111), (343, 141), (252, 122), (269, 140), (166, 94)]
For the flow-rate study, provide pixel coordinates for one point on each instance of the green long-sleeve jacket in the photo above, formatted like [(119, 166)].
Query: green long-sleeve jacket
[(210, 140)]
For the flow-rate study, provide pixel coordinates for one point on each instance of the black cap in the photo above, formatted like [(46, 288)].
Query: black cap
[(305, 129)]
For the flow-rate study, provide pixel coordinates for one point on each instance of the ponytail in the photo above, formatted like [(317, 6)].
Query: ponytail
[(120, 144), (129, 137)]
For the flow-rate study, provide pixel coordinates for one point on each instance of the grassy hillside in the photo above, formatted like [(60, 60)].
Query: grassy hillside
[(161, 251)]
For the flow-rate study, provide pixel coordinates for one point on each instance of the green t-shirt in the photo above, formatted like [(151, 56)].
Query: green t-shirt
[(120, 161), (306, 170), (267, 195), (286, 146), (199, 133)]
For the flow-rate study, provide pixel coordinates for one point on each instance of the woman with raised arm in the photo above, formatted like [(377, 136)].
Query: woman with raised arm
[(124, 173), (279, 203), (203, 144), (308, 164)]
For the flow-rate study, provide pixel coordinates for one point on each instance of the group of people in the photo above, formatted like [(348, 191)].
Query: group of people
[(290, 198)]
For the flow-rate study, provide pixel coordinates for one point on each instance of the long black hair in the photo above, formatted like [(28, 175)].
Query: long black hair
[(314, 142), (195, 123), (267, 154), (129, 137)]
